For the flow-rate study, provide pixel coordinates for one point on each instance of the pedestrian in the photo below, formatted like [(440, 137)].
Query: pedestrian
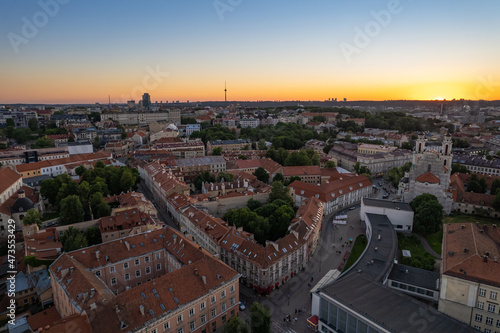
[(295, 311)]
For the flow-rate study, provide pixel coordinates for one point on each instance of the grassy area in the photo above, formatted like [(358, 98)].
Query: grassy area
[(357, 249), (419, 257), (461, 218), (435, 240)]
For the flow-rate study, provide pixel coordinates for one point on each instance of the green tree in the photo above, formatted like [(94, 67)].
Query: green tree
[(71, 210), (361, 169), (428, 213), (261, 174), (93, 236), (73, 239), (99, 206), (330, 164), (261, 318), (280, 221), (9, 122), (33, 124), (496, 202), (127, 181), (97, 142), (261, 144), (217, 151), (43, 142), (49, 189), (253, 204), (32, 216), (278, 191), (228, 177), (278, 178), (298, 159), (495, 186), (80, 170), (236, 325)]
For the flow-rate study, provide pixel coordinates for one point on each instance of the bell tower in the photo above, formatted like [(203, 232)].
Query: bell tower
[(446, 154)]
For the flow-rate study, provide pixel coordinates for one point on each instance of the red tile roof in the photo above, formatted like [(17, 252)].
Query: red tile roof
[(464, 251), (43, 319), (301, 170), (428, 177), (8, 177)]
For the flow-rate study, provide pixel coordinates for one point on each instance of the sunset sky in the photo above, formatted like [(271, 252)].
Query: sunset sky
[(84, 51)]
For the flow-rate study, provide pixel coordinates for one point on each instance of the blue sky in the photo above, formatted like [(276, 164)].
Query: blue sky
[(264, 49)]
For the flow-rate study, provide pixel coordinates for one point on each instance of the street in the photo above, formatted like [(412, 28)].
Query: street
[(294, 294)]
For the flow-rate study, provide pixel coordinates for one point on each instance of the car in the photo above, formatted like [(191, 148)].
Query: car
[(352, 208), (242, 307)]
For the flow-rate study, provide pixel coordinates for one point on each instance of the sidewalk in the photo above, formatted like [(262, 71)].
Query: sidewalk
[(427, 247)]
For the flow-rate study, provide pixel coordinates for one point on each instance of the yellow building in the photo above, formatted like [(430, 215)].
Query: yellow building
[(470, 275)]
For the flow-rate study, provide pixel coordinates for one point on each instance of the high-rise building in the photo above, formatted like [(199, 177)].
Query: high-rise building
[(146, 100)]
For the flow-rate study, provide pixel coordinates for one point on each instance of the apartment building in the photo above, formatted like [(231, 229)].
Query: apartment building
[(127, 222), (339, 192), (470, 275), (151, 282), (310, 174), (238, 144)]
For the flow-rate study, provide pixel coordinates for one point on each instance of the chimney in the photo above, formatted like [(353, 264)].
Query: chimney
[(196, 272), (141, 308), (204, 279), (127, 245), (485, 258)]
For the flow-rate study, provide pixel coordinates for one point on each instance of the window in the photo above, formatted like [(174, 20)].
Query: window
[(137, 273), (222, 294), (493, 295), (487, 330), (125, 265), (489, 321), (127, 277), (166, 326), (232, 301), (214, 326), (491, 308), (154, 331), (148, 270), (180, 330), (482, 292), (203, 319), (137, 262), (192, 326), (480, 305), (179, 318), (479, 318), (191, 312), (158, 267), (214, 313), (223, 319), (146, 259), (157, 256), (232, 289), (223, 307), (98, 273), (113, 281), (112, 269), (212, 301), (202, 306)]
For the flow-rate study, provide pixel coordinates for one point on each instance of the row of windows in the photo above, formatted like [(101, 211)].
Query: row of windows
[(489, 320), (493, 294), (491, 307)]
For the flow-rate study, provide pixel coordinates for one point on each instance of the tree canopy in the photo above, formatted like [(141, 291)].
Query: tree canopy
[(428, 214), (32, 216), (261, 174), (236, 325), (260, 318)]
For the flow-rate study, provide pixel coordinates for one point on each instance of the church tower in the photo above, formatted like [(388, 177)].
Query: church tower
[(419, 147), (446, 155)]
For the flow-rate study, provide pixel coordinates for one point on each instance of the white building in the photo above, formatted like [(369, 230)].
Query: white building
[(399, 213)]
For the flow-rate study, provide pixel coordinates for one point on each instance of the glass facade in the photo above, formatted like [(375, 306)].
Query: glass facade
[(334, 319)]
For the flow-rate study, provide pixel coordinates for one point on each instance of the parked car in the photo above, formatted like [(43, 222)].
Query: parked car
[(242, 307)]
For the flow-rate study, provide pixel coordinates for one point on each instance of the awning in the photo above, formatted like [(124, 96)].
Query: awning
[(277, 284), (313, 321)]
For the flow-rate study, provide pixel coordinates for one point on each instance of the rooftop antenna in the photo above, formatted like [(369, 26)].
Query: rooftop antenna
[(225, 92)]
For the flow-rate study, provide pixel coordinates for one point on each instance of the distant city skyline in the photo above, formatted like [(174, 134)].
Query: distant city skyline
[(61, 51)]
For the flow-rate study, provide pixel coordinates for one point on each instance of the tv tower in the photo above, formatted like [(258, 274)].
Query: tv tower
[(225, 92)]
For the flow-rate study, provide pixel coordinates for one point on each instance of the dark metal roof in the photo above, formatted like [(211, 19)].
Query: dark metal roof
[(387, 204), (22, 205), (416, 276), (388, 308)]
